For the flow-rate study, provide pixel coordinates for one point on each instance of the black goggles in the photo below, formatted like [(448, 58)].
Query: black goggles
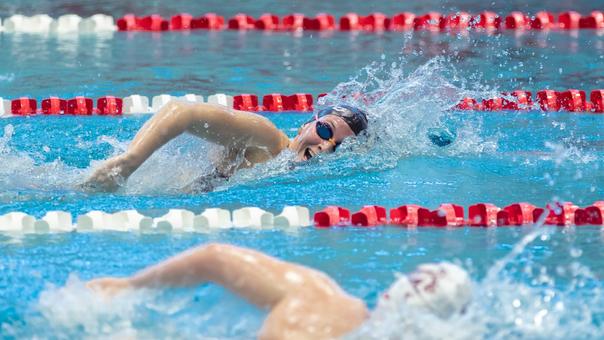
[(325, 132)]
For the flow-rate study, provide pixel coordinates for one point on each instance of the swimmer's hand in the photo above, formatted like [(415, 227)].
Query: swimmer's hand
[(109, 286), (441, 136), (109, 177), (206, 183)]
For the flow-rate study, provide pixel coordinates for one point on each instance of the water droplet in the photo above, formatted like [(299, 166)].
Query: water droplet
[(575, 252)]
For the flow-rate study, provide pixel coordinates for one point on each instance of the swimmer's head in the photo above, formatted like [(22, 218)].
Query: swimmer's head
[(443, 289), (327, 130)]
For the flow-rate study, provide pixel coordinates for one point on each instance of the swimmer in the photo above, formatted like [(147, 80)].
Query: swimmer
[(303, 303), (247, 138)]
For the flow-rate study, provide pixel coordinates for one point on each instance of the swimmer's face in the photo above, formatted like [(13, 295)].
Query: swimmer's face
[(308, 143)]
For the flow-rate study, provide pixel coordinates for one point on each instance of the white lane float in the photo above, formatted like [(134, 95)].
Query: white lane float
[(93, 220), (128, 220), (175, 219), (135, 104), (55, 221), (191, 98), (97, 23), (293, 217), (22, 24), (5, 108), (252, 217), (17, 222), (159, 101), (212, 218), (68, 23), (221, 99)]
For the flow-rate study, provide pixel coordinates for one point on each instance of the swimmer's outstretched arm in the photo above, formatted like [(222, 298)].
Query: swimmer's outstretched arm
[(310, 299), (233, 129)]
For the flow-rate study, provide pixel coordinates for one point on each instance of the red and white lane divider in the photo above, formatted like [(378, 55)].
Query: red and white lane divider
[(547, 100), (431, 21), (292, 217), (374, 22)]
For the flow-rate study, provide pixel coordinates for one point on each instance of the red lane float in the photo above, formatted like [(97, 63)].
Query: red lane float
[(208, 21), (246, 102), (181, 21), (23, 106), (591, 215), (560, 214), (571, 100), (446, 215), (332, 216), (267, 22), (79, 106), (110, 106), (595, 20), (321, 22), (293, 22), (517, 21), (402, 22), (483, 215), (516, 214), (548, 100), (543, 21), (487, 21), (241, 22), (405, 215), (369, 215), (54, 106), (429, 22), (569, 20), (457, 21)]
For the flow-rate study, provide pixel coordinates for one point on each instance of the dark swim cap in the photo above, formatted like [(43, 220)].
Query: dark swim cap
[(354, 117)]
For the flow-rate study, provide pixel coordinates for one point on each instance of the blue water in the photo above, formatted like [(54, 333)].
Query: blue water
[(498, 158)]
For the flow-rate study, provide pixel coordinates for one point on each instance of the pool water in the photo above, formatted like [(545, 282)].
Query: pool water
[(529, 282)]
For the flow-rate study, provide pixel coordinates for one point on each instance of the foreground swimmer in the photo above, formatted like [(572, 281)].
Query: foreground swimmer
[(303, 303), (247, 138)]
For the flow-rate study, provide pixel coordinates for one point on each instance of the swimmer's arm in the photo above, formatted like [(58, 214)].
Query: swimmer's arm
[(260, 279), (215, 123)]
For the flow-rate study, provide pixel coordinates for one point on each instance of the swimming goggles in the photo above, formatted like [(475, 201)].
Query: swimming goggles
[(325, 132)]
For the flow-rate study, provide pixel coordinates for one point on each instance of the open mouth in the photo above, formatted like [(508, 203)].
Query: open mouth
[(307, 154)]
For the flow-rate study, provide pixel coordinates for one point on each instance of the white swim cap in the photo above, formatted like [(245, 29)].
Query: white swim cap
[(440, 288)]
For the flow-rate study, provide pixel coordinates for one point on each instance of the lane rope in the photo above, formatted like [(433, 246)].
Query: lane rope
[(571, 100), (374, 22), (446, 215)]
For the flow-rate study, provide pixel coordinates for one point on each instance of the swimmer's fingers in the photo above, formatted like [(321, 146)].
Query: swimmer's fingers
[(109, 286)]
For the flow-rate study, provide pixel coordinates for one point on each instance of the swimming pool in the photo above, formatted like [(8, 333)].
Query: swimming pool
[(551, 289)]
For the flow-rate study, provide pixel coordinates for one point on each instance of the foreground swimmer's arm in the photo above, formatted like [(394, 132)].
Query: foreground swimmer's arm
[(304, 303), (239, 132)]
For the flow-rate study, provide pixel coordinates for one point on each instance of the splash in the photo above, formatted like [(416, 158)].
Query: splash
[(519, 297), (402, 104)]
